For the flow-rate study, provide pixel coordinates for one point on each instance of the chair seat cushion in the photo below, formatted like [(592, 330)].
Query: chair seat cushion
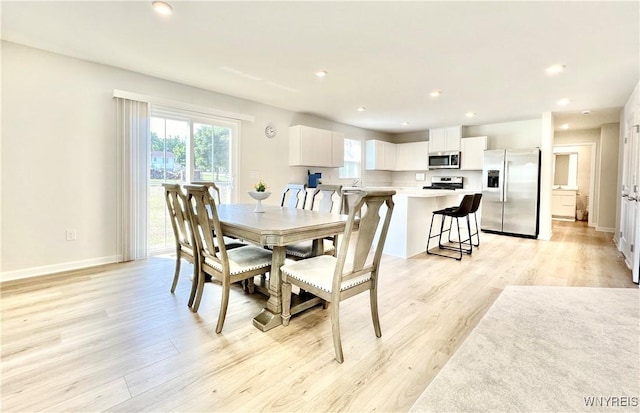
[(186, 250), (230, 243), (318, 272), (454, 212), (304, 249), (243, 259)]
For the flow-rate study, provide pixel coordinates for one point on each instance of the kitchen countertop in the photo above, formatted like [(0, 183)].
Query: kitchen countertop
[(414, 192)]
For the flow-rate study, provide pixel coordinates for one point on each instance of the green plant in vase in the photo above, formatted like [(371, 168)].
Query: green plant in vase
[(260, 192), (260, 186)]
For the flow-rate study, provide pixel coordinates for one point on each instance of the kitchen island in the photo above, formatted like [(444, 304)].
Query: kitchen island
[(409, 227)]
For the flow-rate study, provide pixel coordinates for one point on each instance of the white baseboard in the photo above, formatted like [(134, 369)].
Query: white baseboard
[(55, 268), (616, 242), (605, 229), (545, 236)]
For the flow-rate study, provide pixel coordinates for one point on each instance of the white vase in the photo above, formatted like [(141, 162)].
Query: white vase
[(259, 196)]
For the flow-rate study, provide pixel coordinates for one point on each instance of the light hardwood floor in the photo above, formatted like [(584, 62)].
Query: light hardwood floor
[(116, 339)]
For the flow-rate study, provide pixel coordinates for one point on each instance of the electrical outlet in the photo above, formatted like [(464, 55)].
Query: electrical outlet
[(70, 234)]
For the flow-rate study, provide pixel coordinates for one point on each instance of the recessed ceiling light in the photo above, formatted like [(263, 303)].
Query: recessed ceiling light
[(321, 73), (162, 7), (555, 69), (586, 112), (470, 114), (361, 109), (405, 123), (563, 102), (565, 126), (435, 93)]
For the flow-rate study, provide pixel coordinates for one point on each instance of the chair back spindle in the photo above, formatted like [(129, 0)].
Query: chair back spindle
[(203, 214), (294, 196), (176, 206), (323, 198), (213, 189), (368, 207)]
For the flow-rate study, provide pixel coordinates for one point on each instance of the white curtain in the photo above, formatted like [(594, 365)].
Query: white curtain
[(132, 171)]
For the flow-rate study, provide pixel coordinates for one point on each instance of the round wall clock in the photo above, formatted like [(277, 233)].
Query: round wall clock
[(270, 131)]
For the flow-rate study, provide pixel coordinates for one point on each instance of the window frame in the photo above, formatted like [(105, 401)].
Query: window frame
[(193, 118), (358, 168)]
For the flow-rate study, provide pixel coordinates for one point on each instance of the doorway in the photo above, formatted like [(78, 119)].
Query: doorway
[(574, 170)]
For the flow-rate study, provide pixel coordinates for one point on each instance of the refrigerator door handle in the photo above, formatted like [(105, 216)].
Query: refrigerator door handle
[(505, 181)]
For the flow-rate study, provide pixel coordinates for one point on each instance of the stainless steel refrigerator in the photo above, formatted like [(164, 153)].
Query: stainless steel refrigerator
[(511, 192)]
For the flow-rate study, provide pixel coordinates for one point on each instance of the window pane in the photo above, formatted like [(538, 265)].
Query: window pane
[(212, 156), (182, 149), (352, 159), (167, 160)]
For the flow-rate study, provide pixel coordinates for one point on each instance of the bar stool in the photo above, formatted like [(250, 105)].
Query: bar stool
[(462, 211), (474, 209)]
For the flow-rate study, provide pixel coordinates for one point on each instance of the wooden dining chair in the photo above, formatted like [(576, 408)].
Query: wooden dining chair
[(294, 196), (354, 270), (214, 191), (325, 198), (185, 243), (349, 198), (226, 266)]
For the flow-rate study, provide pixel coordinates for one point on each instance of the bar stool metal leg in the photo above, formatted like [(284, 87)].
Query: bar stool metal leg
[(460, 212)]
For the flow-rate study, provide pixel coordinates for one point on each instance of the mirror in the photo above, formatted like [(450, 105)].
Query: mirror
[(565, 174)]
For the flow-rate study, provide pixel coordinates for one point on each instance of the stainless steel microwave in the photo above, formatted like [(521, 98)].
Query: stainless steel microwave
[(444, 160)]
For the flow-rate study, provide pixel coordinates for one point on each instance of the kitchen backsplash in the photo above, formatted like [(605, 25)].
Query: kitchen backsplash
[(472, 179)]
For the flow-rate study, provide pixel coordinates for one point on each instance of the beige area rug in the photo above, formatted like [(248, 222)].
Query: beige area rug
[(546, 349)]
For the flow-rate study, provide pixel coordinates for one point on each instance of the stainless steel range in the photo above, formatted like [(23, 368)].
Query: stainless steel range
[(445, 182)]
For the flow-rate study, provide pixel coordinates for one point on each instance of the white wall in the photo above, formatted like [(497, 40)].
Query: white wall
[(509, 135), (546, 175), (59, 155), (610, 138)]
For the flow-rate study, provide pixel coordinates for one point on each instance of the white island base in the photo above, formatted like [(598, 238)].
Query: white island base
[(409, 227)]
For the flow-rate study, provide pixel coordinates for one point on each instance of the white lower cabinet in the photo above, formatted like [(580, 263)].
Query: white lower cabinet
[(563, 204)]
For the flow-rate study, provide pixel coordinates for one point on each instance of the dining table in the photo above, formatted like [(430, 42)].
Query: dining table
[(276, 227)]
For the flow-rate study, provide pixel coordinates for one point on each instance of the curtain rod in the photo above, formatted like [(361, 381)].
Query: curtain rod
[(181, 105)]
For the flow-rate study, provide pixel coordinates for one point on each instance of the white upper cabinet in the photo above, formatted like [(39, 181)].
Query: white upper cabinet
[(380, 155), (445, 139), (315, 147), (472, 153), (386, 156), (413, 156), (337, 149)]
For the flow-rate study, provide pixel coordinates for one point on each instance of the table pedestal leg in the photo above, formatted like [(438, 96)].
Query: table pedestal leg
[(270, 316)]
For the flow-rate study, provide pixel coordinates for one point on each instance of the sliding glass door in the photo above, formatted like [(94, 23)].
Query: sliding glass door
[(184, 148), (212, 156)]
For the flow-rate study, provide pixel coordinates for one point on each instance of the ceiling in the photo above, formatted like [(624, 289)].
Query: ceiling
[(485, 57)]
